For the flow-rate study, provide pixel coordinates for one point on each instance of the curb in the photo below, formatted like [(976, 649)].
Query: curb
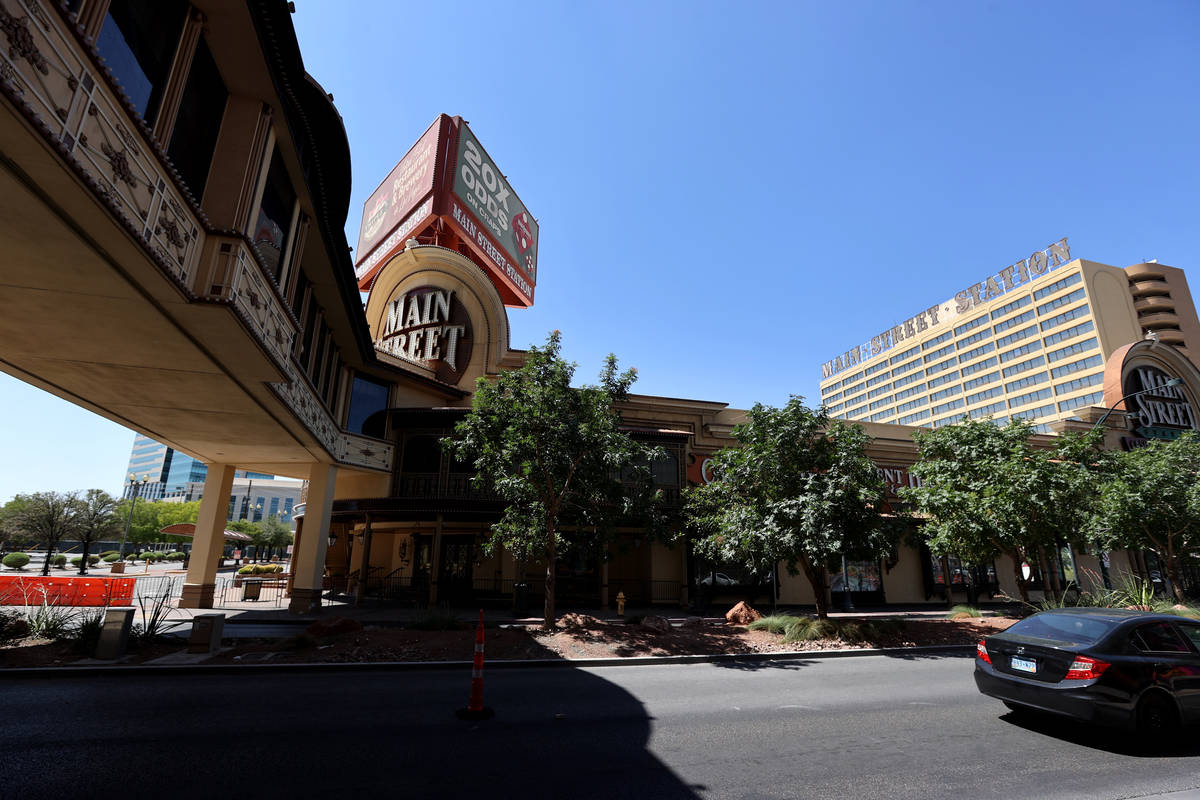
[(143, 670)]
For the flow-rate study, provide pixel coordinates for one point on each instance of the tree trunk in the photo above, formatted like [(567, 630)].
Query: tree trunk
[(49, 553), (1050, 574), (83, 565), (1172, 566), (947, 579), (820, 586), (1022, 584), (548, 612)]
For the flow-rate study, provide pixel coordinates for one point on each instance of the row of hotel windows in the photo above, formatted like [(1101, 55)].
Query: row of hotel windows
[(1040, 294), (1026, 365), (142, 45)]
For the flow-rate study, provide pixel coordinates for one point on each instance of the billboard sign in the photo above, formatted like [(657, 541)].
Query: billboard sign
[(396, 204)]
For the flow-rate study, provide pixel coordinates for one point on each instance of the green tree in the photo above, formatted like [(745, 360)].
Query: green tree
[(273, 533), (97, 520), (552, 453), (48, 518), (797, 489), (1151, 501), (11, 534), (988, 490)]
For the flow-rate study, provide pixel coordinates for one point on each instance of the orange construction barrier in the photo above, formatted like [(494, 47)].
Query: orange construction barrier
[(475, 708), (36, 590)]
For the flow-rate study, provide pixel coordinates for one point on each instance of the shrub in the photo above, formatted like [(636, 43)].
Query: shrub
[(49, 621), (107, 553), (86, 631), (15, 560), (148, 556), (246, 570), (111, 557), (92, 561), (12, 626), (58, 560), (175, 556), (964, 612), (779, 623)]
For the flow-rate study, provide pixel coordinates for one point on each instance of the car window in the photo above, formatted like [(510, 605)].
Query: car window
[(1192, 632), (1158, 637), (1063, 627)]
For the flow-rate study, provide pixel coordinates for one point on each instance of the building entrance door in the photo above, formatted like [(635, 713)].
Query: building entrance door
[(455, 569)]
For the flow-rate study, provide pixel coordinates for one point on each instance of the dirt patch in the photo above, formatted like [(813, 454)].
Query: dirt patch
[(576, 637)]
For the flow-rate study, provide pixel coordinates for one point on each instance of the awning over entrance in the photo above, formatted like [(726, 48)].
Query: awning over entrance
[(189, 529)]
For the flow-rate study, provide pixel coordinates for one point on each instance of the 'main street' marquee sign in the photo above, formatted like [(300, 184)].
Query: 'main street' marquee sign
[(429, 327)]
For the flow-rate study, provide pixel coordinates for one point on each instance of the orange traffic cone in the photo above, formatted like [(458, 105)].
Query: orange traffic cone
[(475, 708)]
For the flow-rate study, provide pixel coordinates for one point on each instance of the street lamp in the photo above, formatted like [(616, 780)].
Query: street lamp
[(1172, 382), (135, 485)]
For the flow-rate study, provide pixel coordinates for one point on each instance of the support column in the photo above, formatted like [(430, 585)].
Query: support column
[(364, 574), (308, 563), (209, 542)]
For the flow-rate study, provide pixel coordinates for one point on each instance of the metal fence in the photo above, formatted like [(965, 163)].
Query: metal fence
[(266, 591)]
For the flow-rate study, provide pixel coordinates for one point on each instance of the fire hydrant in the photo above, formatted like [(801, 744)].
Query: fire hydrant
[(620, 604)]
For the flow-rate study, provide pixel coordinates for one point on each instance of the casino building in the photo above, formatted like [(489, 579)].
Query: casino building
[(1030, 343), (173, 193)]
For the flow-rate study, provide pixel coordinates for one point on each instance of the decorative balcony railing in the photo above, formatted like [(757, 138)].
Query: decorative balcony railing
[(452, 486), (46, 71)]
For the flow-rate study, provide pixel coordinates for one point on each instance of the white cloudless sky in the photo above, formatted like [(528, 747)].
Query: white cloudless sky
[(730, 194)]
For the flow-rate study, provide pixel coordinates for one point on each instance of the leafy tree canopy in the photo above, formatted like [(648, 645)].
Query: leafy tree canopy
[(798, 490)]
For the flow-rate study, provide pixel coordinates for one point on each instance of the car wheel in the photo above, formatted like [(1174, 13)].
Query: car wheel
[(1156, 717)]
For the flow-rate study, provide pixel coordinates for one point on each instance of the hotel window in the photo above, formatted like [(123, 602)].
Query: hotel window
[(882, 415), (1017, 369), (1016, 336), (973, 338), (911, 404), (975, 383), (831, 387), (935, 342), (1013, 306), (854, 412), (1023, 350), (971, 355), (871, 370), (855, 389), (950, 420), (944, 407), (896, 359), (880, 403), (194, 136), (949, 391), (1079, 402), (274, 510), (1079, 383), (857, 398), (935, 355), (906, 368), (878, 380), (911, 418), (1076, 366), (1066, 316), (1059, 302), (1070, 333), (967, 326), (838, 407), (1030, 397), (138, 42), (1034, 413), (887, 387), (986, 394), (1001, 327), (851, 379), (943, 379), (1072, 349), (910, 392), (949, 362), (833, 398), (1058, 285), (1030, 380), (979, 367), (905, 381), (984, 411), (274, 218)]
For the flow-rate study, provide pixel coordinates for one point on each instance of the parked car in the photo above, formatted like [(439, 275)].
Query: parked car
[(718, 579), (1102, 665)]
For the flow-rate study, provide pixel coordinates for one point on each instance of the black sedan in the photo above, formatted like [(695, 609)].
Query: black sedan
[(1102, 665)]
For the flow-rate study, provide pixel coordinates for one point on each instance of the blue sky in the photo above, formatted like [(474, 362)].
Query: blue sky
[(730, 194)]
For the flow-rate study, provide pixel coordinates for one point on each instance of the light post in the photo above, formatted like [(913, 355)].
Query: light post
[(135, 485), (1172, 382)]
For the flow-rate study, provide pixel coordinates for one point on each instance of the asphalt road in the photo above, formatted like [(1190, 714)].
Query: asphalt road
[(857, 727)]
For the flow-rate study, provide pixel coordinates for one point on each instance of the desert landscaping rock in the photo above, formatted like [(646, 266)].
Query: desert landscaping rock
[(656, 624), (742, 614)]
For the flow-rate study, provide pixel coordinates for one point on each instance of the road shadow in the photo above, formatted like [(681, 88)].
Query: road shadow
[(556, 733), (1118, 741)]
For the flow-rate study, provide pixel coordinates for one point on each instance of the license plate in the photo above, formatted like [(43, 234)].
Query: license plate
[(1024, 664)]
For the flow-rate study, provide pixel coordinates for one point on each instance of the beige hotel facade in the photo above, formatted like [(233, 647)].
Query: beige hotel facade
[(1028, 342)]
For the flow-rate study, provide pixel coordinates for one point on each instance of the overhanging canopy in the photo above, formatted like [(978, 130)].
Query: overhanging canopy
[(189, 529)]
